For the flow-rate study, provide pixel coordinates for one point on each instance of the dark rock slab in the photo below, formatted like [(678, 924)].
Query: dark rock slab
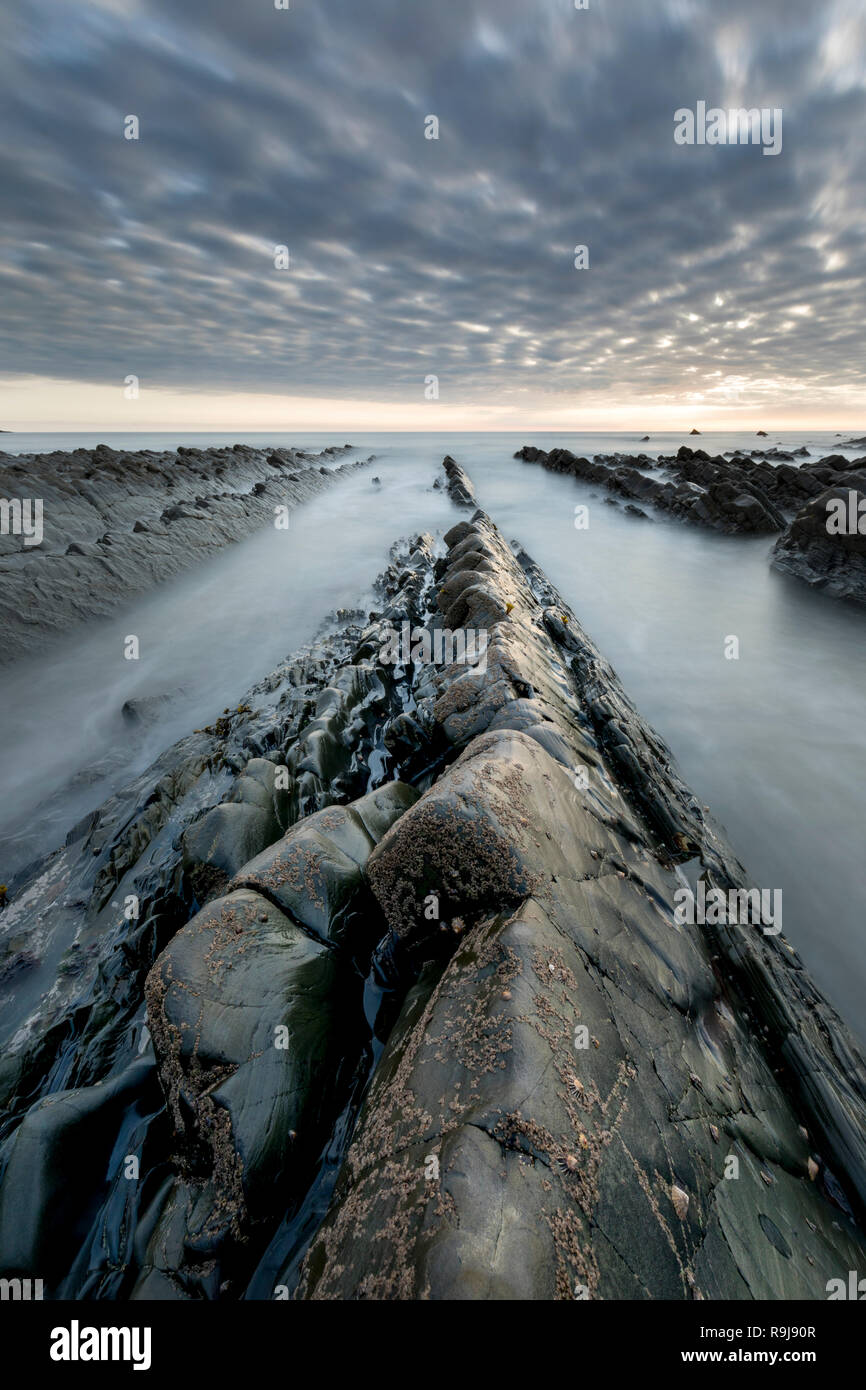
[(505, 1152), (736, 495), (568, 1071), (832, 561), (459, 487), (314, 873), (117, 523)]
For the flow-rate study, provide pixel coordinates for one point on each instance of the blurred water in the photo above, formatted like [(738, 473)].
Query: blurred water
[(775, 742), (820, 442)]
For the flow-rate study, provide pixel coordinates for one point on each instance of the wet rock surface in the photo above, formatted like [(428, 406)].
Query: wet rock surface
[(459, 485), (373, 988), (736, 494), (832, 561), (116, 523), (581, 1068)]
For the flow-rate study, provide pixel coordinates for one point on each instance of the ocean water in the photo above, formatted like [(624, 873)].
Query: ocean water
[(774, 743)]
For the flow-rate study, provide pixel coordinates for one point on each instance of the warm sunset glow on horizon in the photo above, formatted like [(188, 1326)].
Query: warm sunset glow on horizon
[(541, 252), (42, 405)]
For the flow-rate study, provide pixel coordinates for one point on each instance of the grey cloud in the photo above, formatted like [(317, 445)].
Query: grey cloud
[(305, 127)]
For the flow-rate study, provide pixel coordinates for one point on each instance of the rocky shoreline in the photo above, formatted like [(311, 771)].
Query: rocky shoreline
[(374, 988), (767, 492), (833, 562), (116, 523)]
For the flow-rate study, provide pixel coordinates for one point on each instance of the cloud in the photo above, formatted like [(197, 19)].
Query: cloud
[(453, 257)]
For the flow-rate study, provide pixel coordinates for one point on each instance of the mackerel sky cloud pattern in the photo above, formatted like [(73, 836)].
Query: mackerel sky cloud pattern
[(715, 274)]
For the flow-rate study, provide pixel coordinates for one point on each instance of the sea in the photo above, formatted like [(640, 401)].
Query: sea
[(773, 742)]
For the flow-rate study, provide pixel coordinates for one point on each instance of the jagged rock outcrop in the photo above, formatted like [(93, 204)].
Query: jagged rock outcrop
[(459, 486), (832, 560), (256, 1027), (299, 776), (737, 495), (582, 1068), (116, 523), (414, 923)]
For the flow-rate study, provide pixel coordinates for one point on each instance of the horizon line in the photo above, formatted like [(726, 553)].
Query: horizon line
[(385, 429)]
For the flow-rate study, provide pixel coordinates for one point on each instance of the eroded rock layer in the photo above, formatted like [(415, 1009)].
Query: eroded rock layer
[(115, 523), (825, 543), (588, 1099), (754, 494), (373, 988)]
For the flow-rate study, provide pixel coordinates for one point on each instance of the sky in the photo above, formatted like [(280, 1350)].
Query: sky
[(725, 287)]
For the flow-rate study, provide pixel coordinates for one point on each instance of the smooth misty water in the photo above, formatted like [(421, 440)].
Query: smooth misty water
[(774, 742)]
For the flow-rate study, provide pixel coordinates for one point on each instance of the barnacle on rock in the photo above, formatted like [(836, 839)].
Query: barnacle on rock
[(680, 1199)]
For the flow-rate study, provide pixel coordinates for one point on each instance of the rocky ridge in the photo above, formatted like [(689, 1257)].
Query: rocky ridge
[(765, 493), (405, 1011), (118, 522), (835, 563)]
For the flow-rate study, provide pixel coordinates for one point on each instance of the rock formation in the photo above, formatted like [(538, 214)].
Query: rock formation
[(830, 559), (459, 487), (117, 523), (734, 494), (405, 1009)]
